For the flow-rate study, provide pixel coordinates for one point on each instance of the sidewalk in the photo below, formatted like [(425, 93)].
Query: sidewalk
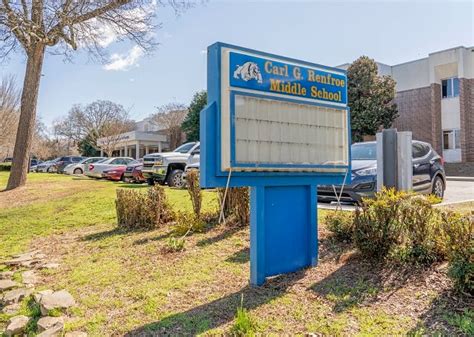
[(455, 178)]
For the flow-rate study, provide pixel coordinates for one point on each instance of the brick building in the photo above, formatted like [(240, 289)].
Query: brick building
[(435, 98)]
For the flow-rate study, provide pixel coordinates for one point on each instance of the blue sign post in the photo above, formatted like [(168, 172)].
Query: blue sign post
[(280, 126)]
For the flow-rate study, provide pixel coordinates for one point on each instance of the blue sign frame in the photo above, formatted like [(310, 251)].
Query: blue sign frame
[(283, 228)]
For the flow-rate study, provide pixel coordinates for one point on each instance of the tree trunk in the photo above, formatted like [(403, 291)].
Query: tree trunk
[(26, 125)]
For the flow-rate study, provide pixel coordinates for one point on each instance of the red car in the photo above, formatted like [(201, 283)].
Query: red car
[(116, 173), (133, 172)]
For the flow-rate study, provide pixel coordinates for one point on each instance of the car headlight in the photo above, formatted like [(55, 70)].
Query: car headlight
[(367, 172)]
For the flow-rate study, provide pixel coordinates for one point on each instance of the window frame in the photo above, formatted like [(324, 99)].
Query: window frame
[(450, 87)]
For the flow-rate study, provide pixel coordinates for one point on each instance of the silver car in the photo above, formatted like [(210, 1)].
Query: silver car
[(47, 166), (79, 168), (95, 170)]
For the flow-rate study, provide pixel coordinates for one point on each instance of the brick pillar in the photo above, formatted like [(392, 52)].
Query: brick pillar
[(466, 107), (436, 132)]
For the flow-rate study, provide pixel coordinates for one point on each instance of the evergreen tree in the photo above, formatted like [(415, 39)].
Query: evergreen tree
[(371, 98), (191, 123)]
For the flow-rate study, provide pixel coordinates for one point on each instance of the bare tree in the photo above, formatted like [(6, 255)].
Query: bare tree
[(100, 119), (63, 26), (9, 113), (170, 117), (111, 133)]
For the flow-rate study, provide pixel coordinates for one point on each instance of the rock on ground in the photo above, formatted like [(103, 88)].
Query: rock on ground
[(7, 284), (40, 294), (17, 325), (50, 265), (75, 334), (57, 300), (15, 295), (11, 308), (30, 277), (46, 323), (6, 275), (55, 331)]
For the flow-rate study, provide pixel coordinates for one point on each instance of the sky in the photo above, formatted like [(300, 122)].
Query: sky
[(329, 33)]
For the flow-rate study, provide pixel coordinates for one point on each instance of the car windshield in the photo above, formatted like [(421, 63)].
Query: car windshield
[(103, 160), (184, 148), (364, 151)]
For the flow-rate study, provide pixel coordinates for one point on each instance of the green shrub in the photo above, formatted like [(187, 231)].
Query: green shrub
[(173, 245), (420, 231), (244, 325), (194, 190), (187, 223), (136, 209), (377, 223), (5, 167), (458, 234), (341, 224)]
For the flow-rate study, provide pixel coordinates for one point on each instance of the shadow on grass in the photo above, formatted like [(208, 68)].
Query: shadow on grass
[(241, 256), (219, 312), (156, 238), (359, 281), (105, 234), (224, 234), (449, 314)]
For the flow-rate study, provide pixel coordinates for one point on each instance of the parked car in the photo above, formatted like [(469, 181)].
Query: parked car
[(47, 166), (115, 174), (133, 172), (8, 160), (428, 173), (168, 167), (78, 168), (193, 162), (34, 165), (95, 170), (62, 162)]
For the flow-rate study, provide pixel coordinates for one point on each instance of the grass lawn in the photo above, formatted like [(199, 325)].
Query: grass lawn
[(125, 285)]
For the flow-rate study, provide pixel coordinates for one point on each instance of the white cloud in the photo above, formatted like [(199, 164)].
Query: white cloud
[(125, 61), (167, 35)]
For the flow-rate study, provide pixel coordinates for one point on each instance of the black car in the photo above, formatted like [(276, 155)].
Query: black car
[(428, 173), (62, 162)]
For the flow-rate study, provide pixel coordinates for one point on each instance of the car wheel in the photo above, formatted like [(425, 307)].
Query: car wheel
[(150, 182), (176, 179), (438, 187), (77, 171), (48, 170), (122, 178)]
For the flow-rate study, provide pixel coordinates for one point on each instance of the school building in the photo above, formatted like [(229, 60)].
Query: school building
[(435, 98)]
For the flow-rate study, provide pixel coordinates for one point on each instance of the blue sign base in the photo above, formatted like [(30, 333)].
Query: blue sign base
[(283, 230)]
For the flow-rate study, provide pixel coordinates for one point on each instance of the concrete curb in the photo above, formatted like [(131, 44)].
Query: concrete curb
[(454, 178), (453, 203)]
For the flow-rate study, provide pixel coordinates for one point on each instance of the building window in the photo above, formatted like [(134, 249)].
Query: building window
[(451, 139), (450, 87)]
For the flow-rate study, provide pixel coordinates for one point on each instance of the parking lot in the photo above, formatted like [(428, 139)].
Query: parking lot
[(456, 191)]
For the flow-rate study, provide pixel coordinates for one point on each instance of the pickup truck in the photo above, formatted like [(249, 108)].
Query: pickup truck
[(168, 167)]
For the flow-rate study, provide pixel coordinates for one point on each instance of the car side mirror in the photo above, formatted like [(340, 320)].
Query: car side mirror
[(196, 152)]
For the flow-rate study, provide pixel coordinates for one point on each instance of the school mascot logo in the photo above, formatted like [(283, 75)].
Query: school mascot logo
[(248, 71)]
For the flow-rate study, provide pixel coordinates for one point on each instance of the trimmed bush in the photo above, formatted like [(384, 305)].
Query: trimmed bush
[(136, 209), (237, 205), (194, 190), (420, 227), (5, 167), (377, 223), (341, 224), (458, 234)]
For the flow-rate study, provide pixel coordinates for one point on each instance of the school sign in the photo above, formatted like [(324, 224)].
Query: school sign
[(280, 126)]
